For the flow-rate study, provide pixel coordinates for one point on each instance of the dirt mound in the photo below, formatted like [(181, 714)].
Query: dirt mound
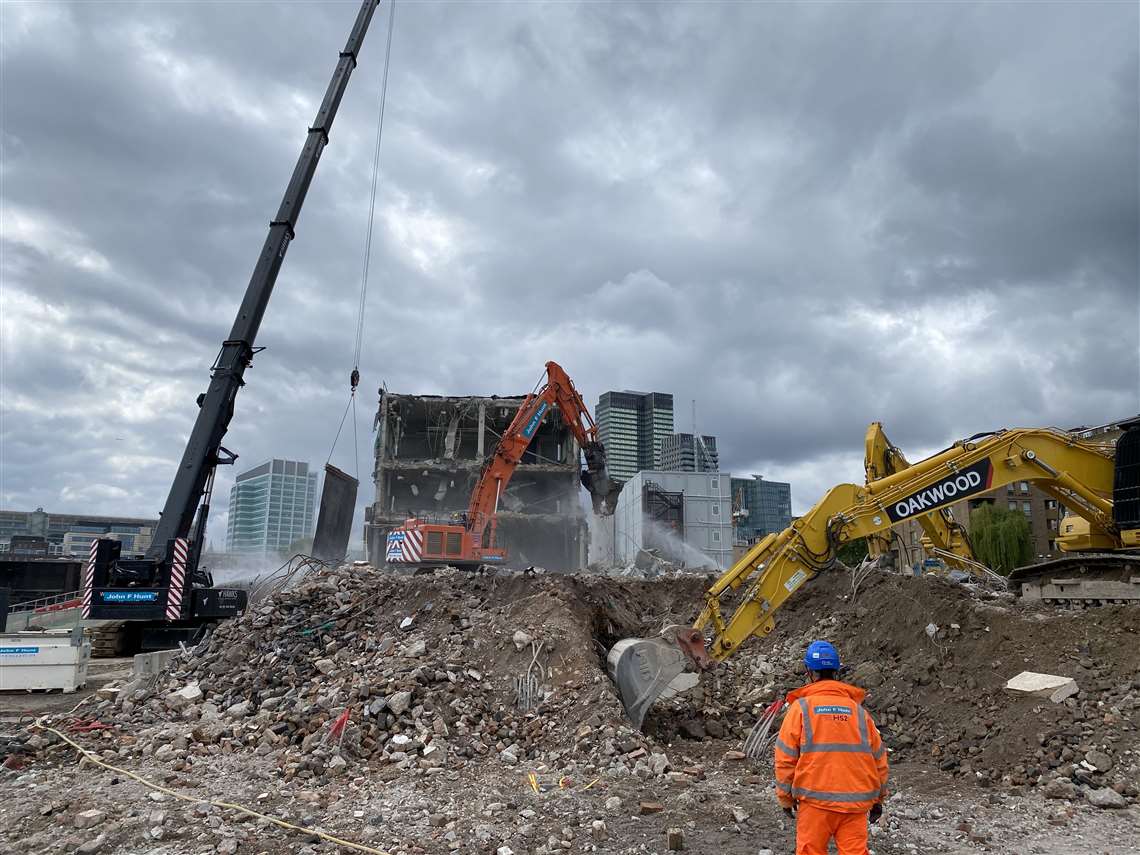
[(935, 656)]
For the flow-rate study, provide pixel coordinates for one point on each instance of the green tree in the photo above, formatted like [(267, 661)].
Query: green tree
[(853, 551), (1001, 538)]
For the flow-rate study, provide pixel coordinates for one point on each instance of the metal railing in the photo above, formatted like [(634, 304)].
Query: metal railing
[(52, 603)]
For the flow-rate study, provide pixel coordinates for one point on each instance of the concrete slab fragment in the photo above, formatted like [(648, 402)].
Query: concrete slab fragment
[(1052, 686)]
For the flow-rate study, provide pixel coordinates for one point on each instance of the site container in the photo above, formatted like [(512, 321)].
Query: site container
[(32, 661)]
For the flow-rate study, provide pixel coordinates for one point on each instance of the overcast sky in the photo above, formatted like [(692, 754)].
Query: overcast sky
[(806, 217)]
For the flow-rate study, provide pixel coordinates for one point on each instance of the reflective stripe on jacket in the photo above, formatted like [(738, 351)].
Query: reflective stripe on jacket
[(829, 751)]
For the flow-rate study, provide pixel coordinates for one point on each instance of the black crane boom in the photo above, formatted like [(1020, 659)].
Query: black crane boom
[(217, 404)]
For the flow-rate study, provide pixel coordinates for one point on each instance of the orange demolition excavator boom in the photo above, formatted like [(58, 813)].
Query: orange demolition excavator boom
[(471, 537)]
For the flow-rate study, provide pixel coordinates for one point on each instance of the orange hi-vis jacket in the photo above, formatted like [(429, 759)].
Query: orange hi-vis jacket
[(829, 752)]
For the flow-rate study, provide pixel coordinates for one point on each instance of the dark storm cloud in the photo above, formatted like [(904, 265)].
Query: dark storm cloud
[(806, 217)]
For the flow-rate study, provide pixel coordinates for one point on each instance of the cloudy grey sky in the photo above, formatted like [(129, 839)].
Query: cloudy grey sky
[(806, 216)]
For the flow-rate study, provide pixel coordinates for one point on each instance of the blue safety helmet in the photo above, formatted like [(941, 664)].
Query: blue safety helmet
[(822, 656)]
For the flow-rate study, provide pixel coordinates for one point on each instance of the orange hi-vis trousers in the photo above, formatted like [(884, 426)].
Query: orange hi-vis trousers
[(815, 826)]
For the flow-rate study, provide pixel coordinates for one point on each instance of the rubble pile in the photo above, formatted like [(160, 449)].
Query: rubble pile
[(468, 712), (408, 674), (651, 564), (934, 657)]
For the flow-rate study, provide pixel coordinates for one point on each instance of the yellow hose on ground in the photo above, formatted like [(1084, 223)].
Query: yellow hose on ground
[(360, 847)]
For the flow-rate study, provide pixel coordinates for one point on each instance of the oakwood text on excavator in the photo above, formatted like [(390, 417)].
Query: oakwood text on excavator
[(1098, 484)]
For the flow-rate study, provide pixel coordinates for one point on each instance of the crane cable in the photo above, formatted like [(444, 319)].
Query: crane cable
[(354, 377)]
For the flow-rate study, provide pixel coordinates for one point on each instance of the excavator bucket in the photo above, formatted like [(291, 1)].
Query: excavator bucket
[(647, 669)]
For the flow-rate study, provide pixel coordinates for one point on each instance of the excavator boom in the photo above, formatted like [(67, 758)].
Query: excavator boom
[(1104, 492)]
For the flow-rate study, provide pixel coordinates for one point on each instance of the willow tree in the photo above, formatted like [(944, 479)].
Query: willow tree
[(1001, 537)]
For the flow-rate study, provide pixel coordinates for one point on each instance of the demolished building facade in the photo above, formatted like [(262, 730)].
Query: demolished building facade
[(429, 451)]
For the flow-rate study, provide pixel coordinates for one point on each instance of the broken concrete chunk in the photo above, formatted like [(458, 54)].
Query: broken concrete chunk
[(1106, 798), (325, 666), (89, 818), (239, 710), (521, 639), (184, 697), (1051, 686), (1060, 788), (1099, 761), (92, 846), (191, 692), (400, 702), (651, 807)]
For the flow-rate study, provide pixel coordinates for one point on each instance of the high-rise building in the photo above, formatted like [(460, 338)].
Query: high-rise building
[(684, 452), (633, 426), (271, 507), (760, 507)]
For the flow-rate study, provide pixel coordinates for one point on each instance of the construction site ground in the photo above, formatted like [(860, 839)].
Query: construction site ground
[(382, 710)]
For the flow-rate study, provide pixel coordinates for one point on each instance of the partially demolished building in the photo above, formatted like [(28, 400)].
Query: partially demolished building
[(429, 451)]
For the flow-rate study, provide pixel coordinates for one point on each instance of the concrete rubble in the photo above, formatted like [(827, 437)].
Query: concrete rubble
[(316, 707), (1050, 686)]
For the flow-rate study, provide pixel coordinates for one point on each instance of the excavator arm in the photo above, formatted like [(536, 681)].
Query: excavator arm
[(942, 535), (558, 391), (780, 564)]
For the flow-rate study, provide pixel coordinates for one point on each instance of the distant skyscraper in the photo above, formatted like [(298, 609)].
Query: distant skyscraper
[(682, 453), (633, 426), (271, 507), (768, 505)]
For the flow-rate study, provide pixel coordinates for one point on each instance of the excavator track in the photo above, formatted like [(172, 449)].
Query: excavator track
[(1082, 579), (108, 640)]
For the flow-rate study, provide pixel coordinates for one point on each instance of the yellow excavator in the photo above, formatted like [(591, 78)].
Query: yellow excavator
[(942, 536), (1098, 484)]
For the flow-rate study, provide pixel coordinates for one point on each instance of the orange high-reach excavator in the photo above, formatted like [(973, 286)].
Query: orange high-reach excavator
[(471, 537)]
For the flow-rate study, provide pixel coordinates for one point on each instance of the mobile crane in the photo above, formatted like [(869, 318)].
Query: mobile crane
[(472, 538), (1100, 484), (163, 598)]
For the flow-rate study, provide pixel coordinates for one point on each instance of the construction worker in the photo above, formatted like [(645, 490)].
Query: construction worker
[(831, 765)]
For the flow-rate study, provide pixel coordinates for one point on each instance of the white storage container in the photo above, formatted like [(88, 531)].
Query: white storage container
[(43, 660)]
